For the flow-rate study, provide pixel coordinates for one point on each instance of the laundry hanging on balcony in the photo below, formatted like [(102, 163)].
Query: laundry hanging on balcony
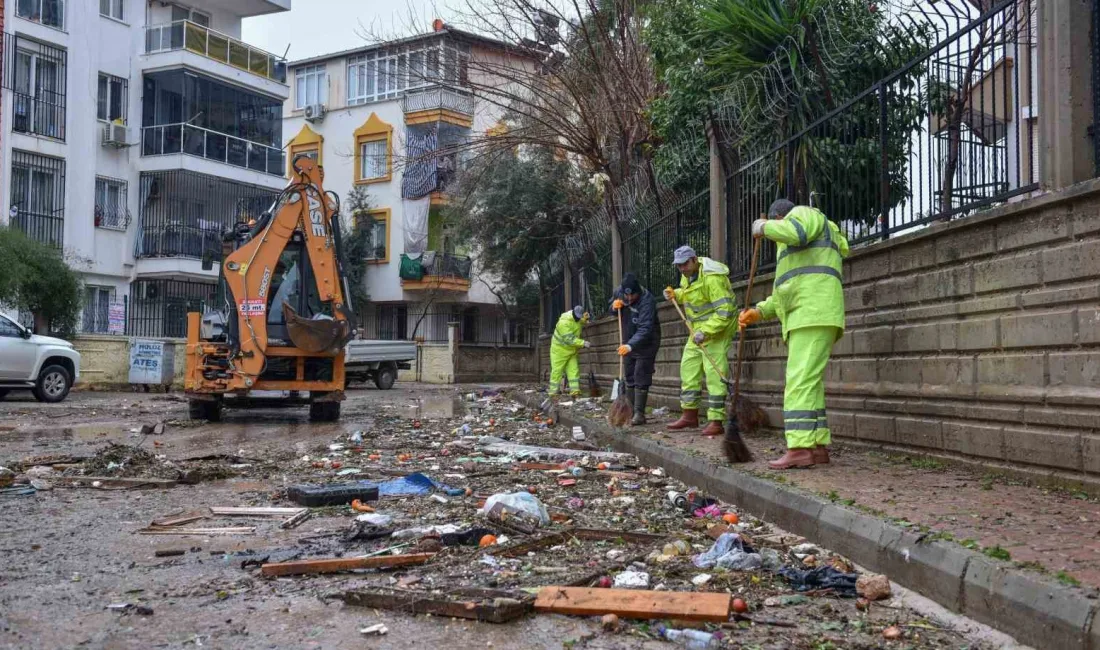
[(416, 224), (421, 170)]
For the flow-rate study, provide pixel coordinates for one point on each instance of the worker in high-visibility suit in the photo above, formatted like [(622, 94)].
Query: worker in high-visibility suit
[(565, 345), (808, 300), (710, 307)]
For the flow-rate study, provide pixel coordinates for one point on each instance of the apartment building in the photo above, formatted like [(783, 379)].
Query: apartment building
[(391, 117), (134, 132)]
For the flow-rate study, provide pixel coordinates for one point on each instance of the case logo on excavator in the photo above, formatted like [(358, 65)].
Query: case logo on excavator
[(316, 214), (265, 281)]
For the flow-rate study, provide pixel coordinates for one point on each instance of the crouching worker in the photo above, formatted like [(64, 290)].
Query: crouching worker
[(709, 306), (638, 309), (808, 300), (565, 345)]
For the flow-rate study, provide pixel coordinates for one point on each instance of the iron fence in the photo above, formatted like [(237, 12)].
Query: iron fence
[(158, 308), (648, 252), (948, 133)]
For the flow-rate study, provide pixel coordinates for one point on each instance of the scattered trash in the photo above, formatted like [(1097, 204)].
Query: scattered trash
[(739, 606), (578, 433), (524, 504), (770, 559), (131, 608), (315, 496), (826, 577), (375, 519), (729, 553), (701, 579), (892, 633), (786, 601), (692, 639), (7, 477), (632, 580), (873, 586), (378, 629), (633, 604), (610, 623)]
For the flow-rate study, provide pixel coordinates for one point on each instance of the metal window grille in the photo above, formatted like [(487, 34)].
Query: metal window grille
[(36, 74), (184, 214), (159, 307), (111, 206), (38, 197), (97, 302)]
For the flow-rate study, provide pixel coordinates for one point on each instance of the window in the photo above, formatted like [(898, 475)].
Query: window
[(110, 204), (112, 95), (373, 157), (97, 308), (378, 247), (9, 328), (111, 8), (47, 12), (180, 12), (38, 86), (38, 196), (311, 86), (387, 73)]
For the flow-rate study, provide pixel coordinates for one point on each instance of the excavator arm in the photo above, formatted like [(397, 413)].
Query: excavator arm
[(302, 206)]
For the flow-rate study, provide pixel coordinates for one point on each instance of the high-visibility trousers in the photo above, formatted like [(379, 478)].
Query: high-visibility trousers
[(694, 366), (805, 422), (564, 360)]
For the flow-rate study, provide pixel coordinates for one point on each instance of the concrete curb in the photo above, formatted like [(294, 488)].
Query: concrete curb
[(1034, 611)]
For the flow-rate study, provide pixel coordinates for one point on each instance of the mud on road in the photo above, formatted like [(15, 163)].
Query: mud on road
[(76, 573)]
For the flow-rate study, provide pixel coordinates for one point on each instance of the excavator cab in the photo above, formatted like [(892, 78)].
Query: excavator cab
[(283, 315)]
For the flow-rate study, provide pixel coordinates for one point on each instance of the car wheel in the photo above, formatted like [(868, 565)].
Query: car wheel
[(53, 384), (324, 411), (385, 377), (200, 409)]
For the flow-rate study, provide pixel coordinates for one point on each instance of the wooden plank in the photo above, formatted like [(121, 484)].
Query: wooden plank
[(244, 511), (334, 565), (295, 520), (180, 518), (489, 605), (629, 603), (180, 530), (120, 482), (537, 466)]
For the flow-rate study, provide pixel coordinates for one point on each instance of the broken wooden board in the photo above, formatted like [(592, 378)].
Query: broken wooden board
[(487, 605), (335, 565), (537, 466), (551, 454), (586, 534), (635, 604), (244, 511), (296, 519), (180, 530), (182, 517), (114, 481)]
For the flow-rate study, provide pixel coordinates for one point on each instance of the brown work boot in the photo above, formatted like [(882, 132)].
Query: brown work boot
[(794, 458), (713, 428), (821, 455), (689, 419)]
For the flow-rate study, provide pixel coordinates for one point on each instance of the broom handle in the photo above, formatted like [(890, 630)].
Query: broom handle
[(622, 372), (691, 332), (741, 334)]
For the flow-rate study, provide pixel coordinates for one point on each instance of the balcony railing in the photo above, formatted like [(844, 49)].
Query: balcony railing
[(46, 228), (446, 265), (184, 34), (438, 98), (212, 145)]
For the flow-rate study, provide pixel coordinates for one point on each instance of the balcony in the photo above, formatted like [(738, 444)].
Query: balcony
[(438, 104), (192, 140), (212, 44), (442, 272)]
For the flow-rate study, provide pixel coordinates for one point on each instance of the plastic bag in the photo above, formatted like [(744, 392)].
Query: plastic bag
[(826, 577), (524, 501), (729, 552)]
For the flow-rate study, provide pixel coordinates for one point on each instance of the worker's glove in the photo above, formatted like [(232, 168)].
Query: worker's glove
[(587, 344), (758, 228), (624, 350), (699, 338), (749, 317), (670, 293), (618, 304)]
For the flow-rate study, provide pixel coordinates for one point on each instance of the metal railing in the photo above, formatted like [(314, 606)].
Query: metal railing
[(648, 252), (184, 34), (438, 98), (449, 266), (192, 140), (38, 197), (159, 307), (949, 133), (37, 75)]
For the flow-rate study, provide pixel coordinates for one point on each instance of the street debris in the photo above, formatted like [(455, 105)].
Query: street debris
[(873, 586)]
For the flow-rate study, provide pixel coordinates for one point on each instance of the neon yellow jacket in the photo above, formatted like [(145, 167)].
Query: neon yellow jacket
[(708, 300), (807, 290), (567, 333)]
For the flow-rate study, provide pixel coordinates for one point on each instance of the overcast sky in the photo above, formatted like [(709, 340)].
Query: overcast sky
[(313, 27)]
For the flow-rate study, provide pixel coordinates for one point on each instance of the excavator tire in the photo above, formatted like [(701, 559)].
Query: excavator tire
[(199, 409), (324, 411)]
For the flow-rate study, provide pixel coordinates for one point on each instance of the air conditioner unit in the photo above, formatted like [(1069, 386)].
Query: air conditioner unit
[(114, 135), (315, 112)]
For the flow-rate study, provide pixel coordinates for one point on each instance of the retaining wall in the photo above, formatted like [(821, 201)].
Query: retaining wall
[(486, 363)]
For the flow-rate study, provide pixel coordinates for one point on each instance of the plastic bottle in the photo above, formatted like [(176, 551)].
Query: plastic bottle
[(678, 499), (692, 639)]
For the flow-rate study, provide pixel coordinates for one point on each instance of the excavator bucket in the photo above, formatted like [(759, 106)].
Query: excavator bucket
[(317, 335)]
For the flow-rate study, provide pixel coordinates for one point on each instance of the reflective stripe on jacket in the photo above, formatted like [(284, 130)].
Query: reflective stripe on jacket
[(807, 290), (567, 333), (708, 299)]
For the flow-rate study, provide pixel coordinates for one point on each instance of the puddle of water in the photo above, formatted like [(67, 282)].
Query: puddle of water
[(433, 407)]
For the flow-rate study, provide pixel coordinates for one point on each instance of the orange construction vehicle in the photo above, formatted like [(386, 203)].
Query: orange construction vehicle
[(282, 314)]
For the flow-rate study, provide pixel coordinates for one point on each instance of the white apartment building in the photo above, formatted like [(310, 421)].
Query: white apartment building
[(372, 116), (134, 132)]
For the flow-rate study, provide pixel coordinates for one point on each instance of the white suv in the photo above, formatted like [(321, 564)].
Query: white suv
[(47, 366)]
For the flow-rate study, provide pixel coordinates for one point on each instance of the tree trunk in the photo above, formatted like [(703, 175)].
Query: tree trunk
[(956, 108)]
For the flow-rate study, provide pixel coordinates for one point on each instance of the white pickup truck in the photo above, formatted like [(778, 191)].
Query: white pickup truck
[(47, 366), (377, 360)]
